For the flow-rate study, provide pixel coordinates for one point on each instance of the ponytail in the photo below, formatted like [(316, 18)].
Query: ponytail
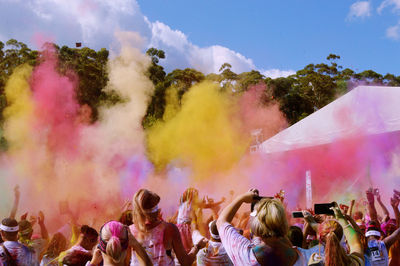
[(334, 253), (114, 241), (114, 249)]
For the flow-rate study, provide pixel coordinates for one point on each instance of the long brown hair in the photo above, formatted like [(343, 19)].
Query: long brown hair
[(331, 232), (58, 243)]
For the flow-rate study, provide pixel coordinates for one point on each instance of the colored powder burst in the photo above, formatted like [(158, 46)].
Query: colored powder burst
[(56, 104), (259, 111), (203, 134), (18, 113)]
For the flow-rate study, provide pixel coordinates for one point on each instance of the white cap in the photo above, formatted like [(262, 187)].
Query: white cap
[(6, 228), (373, 233)]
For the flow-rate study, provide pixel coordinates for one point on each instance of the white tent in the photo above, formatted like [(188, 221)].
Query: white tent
[(369, 110)]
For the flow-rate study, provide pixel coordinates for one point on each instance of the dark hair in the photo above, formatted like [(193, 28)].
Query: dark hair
[(213, 228), (77, 258), (295, 236), (89, 231), (11, 223), (126, 218)]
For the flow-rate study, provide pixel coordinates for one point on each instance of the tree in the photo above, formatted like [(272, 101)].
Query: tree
[(246, 79), (155, 71), (227, 77)]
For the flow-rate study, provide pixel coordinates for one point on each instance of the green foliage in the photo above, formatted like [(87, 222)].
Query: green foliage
[(299, 95)]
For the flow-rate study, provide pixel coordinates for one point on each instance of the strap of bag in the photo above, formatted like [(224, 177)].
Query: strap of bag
[(9, 257)]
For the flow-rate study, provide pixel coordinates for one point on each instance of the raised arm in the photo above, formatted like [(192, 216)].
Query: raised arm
[(384, 209), (229, 211), (351, 235), (350, 210), (16, 202), (183, 257), (43, 229), (389, 240), (394, 201), (371, 205)]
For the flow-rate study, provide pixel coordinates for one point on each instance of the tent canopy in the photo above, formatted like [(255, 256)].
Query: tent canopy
[(367, 110)]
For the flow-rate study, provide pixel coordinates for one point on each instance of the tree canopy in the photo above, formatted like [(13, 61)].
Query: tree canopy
[(299, 95)]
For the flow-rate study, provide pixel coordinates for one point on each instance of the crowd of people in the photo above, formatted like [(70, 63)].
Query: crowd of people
[(266, 233)]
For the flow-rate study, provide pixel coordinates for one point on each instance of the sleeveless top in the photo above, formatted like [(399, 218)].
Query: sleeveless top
[(185, 213), (376, 253), (153, 243)]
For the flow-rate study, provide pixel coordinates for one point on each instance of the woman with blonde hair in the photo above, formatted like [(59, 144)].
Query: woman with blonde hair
[(58, 243), (331, 251), (115, 239), (268, 223), (157, 237)]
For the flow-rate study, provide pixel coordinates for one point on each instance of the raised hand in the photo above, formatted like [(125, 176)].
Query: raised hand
[(40, 218), (370, 195)]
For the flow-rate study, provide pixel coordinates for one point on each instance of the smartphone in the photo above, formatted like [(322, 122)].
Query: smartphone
[(297, 215), (257, 199), (376, 192), (324, 208)]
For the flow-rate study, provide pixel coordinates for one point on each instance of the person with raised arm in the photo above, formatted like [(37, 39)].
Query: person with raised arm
[(58, 243), (160, 239), (14, 209), (213, 253), (269, 223), (13, 252), (38, 244)]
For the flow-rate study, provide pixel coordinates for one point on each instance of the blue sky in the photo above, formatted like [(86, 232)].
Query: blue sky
[(275, 37)]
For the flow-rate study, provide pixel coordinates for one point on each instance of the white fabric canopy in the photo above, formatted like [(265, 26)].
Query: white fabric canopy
[(367, 110)]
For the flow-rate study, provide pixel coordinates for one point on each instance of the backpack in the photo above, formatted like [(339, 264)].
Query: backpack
[(9, 261)]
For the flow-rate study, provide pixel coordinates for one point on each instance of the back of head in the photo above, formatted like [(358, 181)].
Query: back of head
[(331, 232), (126, 218), (270, 220), (9, 229), (58, 243), (88, 231), (145, 206), (76, 258), (189, 195), (25, 229), (89, 237), (114, 241), (214, 231), (373, 231), (295, 236), (358, 215)]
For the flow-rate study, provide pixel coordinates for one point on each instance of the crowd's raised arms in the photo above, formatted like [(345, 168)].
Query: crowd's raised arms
[(263, 233)]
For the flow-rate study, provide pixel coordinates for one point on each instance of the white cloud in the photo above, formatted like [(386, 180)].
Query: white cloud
[(277, 73), (180, 52), (94, 22), (360, 9), (393, 32), (386, 3)]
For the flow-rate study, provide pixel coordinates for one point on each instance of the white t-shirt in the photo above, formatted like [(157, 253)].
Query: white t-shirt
[(19, 252), (376, 254), (240, 249)]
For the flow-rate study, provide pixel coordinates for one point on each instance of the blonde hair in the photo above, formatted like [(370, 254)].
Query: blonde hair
[(270, 220), (330, 233), (139, 216), (115, 235)]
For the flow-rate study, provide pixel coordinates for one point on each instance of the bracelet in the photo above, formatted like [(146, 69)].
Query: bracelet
[(347, 225)]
